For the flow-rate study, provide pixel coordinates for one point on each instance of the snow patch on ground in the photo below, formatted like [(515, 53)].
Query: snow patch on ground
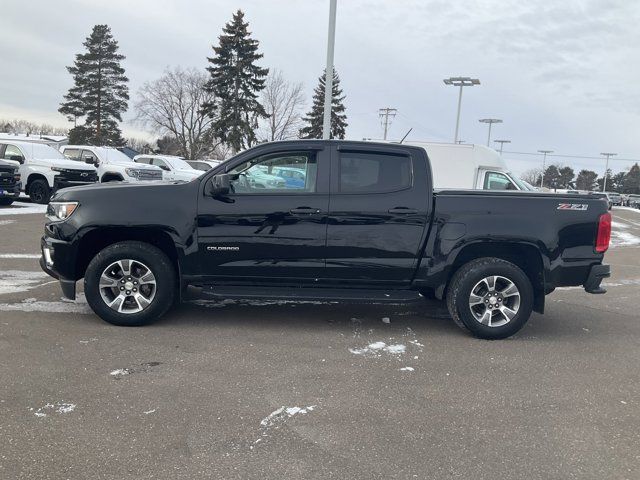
[(19, 208), (282, 414), (407, 369), (32, 305), (623, 239), (12, 281), (376, 349), (6, 222), (120, 372), (58, 407), (20, 255)]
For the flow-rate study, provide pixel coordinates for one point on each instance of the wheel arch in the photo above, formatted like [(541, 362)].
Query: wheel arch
[(33, 177), (111, 177), (524, 255), (97, 239)]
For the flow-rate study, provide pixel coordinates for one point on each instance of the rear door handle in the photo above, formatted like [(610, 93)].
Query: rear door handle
[(403, 210), (304, 211)]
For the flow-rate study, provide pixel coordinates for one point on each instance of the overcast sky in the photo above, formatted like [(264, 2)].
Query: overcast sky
[(563, 76)]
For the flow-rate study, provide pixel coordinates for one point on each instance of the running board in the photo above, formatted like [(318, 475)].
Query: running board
[(311, 294)]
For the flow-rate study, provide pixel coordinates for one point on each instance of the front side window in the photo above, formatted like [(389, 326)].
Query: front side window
[(158, 162), (13, 153), (266, 174), (373, 173), (86, 155), (497, 181), (146, 161)]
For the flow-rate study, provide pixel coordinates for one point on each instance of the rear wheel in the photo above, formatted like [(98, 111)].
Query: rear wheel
[(39, 191), (490, 297), (130, 284)]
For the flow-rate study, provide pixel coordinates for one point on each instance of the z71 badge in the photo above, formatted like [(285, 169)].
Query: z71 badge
[(572, 206)]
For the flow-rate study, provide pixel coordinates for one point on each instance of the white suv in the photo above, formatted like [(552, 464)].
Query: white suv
[(175, 168), (113, 165), (43, 170)]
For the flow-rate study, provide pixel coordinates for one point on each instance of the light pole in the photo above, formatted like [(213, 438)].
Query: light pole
[(544, 161), (460, 82), (502, 142), (328, 76), (606, 169), (490, 121)]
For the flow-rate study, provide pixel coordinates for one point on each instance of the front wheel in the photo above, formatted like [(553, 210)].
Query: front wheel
[(130, 284), (490, 297), (39, 191)]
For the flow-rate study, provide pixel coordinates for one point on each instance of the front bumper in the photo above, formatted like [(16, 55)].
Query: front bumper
[(62, 183), (596, 275), (10, 191), (48, 260)]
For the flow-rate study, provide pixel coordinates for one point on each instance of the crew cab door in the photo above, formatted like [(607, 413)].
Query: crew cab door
[(378, 214), (264, 229)]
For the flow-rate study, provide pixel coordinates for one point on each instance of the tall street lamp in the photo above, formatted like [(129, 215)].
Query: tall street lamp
[(502, 142), (544, 161), (328, 81), (606, 169), (460, 82), (490, 121)]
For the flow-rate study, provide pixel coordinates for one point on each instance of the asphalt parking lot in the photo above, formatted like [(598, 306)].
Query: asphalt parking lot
[(266, 390)]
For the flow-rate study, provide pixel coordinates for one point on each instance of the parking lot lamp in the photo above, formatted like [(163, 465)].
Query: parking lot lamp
[(502, 142), (328, 82), (606, 169), (490, 121), (460, 82), (544, 161)]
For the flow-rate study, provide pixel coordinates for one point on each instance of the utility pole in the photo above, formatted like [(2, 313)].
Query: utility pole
[(328, 78), (385, 113), (490, 121), (460, 82), (606, 169), (502, 142), (544, 161)]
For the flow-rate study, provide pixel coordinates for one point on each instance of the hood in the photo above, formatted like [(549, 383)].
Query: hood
[(191, 172), (57, 162), (132, 164), (106, 192)]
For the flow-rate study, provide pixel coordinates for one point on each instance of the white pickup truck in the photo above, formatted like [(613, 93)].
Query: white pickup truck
[(175, 168), (43, 170), (112, 164)]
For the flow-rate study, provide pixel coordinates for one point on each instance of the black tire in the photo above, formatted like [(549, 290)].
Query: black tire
[(461, 288), (5, 202), (39, 191), (157, 262)]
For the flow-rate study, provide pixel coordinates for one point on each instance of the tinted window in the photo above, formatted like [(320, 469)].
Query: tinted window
[(497, 181), (369, 172), (265, 174)]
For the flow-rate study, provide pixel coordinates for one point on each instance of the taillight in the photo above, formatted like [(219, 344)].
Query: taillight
[(604, 233)]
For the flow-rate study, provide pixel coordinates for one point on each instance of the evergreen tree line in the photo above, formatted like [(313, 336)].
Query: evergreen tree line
[(235, 104), (559, 177)]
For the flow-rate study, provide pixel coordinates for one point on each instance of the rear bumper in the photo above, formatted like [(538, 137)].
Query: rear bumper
[(596, 275)]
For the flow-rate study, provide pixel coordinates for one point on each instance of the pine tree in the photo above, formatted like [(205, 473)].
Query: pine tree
[(586, 180), (236, 81), (632, 180), (100, 91), (315, 117)]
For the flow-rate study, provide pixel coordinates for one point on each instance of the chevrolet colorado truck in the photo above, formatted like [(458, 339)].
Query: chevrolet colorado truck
[(366, 227)]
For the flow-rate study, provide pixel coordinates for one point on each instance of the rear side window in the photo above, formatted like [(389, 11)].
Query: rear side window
[(72, 153), (373, 173)]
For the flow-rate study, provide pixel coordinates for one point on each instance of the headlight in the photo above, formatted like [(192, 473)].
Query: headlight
[(58, 211), (132, 172), (58, 169)]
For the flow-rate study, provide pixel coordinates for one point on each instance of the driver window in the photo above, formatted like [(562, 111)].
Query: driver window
[(12, 153), (160, 163), (281, 173), (497, 181)]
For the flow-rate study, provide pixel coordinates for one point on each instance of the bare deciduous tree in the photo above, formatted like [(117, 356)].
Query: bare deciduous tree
[(532, 176), (283, 101), (172, 105), (25, 127)]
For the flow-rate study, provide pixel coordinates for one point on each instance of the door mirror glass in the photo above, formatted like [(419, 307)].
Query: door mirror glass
[(16, 158), (218, 185), (90, 160), (165, 168)]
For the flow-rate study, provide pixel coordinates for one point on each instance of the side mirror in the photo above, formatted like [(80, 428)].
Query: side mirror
[(165, 168), (90, 160), (218, 185), (16, 158)]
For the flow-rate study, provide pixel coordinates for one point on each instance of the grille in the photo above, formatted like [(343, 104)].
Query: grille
[(7, 178), (149, 175), (78, 176)]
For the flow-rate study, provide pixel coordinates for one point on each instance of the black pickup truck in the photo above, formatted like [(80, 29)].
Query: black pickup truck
[(9, 183), (333, 220)]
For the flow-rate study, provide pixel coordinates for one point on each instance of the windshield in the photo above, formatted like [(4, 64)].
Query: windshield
[(39, 150), (521, 185), (178, 163)]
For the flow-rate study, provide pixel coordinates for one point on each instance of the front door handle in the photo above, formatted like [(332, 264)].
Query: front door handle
[(402, 210), (304, 211)]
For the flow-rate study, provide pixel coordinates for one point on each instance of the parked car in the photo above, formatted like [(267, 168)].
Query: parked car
[(294, 177), (614, 197), (602, 196), (9, 182), (634, 200), (370, 227), (204, 165), (43, 170), (175, 168), (257, 176), (112, 164)]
